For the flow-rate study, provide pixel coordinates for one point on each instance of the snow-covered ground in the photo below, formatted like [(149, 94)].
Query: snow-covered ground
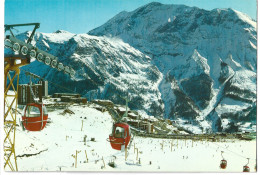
[(61, 138)]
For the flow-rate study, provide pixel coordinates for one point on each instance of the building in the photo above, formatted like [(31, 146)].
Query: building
[(25, 95)]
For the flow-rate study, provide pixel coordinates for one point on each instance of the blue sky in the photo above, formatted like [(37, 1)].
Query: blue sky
[(80, 16)]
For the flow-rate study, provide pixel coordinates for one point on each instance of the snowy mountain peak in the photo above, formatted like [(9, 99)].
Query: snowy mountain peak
[(244, 17), (59, 36), (199, 53), (152, 4), (236, 15), (61, 31)]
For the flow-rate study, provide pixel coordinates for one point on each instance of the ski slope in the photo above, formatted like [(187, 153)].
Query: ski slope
[(53, 148)]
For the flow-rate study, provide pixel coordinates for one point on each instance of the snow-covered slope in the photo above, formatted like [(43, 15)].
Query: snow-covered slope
[(52, 149), (207, 58)]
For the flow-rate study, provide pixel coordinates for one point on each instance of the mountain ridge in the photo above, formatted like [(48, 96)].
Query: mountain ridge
[(171, 34)]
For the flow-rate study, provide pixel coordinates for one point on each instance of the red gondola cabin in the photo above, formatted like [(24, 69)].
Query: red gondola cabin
[(35, 117), (223, 164), (246, 168), (120, 136)]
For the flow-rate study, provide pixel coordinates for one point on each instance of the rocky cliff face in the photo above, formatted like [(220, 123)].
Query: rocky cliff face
[(207, 58)]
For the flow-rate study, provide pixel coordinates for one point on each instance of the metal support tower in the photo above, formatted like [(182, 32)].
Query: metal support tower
[(25, 52), (11, 75)]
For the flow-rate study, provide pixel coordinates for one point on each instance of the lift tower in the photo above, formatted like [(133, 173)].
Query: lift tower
[(23, 53)]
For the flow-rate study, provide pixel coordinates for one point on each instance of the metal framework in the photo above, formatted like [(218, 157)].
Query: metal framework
[(36, 26), (11, 81), (12, 64), (11, 75)]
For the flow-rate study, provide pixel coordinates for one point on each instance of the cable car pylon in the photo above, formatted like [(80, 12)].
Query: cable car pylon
[(22, 54), (12, 64)]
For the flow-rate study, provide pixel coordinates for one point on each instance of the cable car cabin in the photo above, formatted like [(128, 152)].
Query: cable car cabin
[(223, 164), (120, 136), (35, 117), (246, 168)]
